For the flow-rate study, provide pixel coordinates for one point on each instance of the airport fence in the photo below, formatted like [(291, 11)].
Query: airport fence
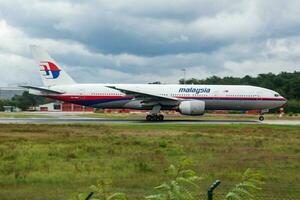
[(257, 197), (263, 195), (222, 197)]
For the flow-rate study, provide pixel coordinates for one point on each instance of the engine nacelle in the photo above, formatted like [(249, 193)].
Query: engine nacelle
[(192, 107)]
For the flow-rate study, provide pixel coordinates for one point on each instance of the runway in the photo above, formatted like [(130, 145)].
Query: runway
[(125, 121)]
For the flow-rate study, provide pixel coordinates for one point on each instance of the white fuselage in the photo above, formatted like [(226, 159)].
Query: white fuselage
[(216, 97)]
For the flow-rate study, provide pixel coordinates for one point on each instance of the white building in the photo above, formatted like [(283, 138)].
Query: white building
[(11, 109), (50, 107)]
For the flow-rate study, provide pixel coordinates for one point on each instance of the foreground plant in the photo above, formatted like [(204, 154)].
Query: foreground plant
[(182, 184), (248, 188), (99, 192)]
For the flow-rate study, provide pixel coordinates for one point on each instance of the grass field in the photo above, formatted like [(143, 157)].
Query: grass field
[(54, 161), (23, 115), (206, 116)]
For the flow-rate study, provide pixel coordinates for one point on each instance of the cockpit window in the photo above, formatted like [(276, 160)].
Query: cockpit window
[(276, 95)]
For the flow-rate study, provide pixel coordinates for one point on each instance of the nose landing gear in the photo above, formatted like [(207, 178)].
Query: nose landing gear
[(261, 118)]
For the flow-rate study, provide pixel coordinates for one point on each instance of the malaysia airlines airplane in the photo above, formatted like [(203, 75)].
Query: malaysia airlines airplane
[(186, 99)]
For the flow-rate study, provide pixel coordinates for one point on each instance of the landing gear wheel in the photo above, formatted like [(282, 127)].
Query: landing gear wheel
[(149, 118), (160, 117), (261, 118), (155, 117)]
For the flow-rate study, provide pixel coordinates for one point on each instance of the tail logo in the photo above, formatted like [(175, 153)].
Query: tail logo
[(50, 69)]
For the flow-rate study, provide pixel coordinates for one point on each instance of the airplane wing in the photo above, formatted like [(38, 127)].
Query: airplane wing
[(41, 89), (144, 95)]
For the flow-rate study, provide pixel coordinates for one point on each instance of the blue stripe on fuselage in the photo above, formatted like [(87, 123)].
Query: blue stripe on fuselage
[(97, 101)]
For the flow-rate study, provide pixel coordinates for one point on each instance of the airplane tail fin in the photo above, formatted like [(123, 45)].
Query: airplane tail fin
[(50, 72)]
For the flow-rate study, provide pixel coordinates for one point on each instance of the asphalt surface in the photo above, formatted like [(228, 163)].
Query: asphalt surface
[(124, 121)]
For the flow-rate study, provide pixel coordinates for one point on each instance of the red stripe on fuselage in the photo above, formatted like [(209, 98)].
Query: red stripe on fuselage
[(79, 97)]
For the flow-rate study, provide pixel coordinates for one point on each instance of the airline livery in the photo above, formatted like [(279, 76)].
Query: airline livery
[(186, 99)]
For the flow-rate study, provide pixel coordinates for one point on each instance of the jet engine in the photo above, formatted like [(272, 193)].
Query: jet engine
[(192, 107)]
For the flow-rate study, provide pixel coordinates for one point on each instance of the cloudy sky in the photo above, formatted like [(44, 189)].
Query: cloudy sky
[(140, 41)]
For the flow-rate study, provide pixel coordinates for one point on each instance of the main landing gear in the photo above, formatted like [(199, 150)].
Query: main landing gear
[(154, 114), (261, 117), (155, 117)]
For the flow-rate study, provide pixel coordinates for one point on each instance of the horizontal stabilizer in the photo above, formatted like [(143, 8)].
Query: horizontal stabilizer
[(41, 89)]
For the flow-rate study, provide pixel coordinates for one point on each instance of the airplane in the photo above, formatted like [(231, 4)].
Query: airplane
[(193, 100)]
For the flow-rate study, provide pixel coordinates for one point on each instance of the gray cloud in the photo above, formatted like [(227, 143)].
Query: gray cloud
[(143, 41)]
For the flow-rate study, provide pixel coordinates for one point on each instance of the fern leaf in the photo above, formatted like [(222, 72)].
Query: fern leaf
[(188, 194), (155, 197), (171, 195), (195, 178), (244, 193), (248, 185), (187, 173), (187, 181), (172, 171), (117, 196), (163, 186), (232, 196)]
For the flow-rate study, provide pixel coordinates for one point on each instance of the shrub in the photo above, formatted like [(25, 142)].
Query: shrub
[(143, 167), (99, 192), (292, 106), (163, 143), (247, 189), (181, 184)]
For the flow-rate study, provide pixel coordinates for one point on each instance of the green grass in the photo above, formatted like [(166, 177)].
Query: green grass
[(54, 161), (23, 115)]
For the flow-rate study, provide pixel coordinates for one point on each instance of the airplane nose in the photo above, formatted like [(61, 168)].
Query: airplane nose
[(284, 101)]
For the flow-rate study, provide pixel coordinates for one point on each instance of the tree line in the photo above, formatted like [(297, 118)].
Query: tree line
[(24, 101), (285, 83)]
